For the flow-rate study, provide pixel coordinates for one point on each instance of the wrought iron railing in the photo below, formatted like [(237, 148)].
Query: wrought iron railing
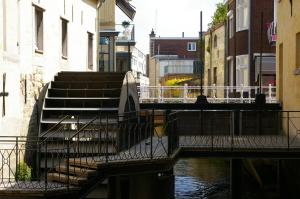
[(30, 163)]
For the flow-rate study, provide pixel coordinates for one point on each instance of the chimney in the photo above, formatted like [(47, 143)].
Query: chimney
[(182, 34)]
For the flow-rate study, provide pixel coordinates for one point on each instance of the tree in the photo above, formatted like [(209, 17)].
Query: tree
[(220, 15)]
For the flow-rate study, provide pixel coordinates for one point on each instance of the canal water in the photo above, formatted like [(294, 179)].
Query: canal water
[(197, 178)]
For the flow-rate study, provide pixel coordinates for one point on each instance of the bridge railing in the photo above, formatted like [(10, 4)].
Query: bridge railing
[(20, 166), (215, 94), (209, 130)]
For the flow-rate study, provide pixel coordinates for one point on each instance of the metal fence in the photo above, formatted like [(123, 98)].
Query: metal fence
[(68, 151), (215, 94)]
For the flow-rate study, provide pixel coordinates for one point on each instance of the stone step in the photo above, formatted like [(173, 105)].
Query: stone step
[(76, 171), (73, 180), (87, 93)]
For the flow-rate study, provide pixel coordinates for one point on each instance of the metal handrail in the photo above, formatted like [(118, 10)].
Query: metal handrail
[(82, 128), (53, 127)]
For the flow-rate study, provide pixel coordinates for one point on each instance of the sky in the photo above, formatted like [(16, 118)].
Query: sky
[(169, 18)]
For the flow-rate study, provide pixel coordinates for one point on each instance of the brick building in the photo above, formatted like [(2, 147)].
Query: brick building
[(172, 55), (243, 43)]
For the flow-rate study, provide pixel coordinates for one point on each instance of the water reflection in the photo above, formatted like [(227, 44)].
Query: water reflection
[(201, 179)]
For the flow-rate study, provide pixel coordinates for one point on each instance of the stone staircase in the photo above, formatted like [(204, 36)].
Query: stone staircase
[(72, 101)]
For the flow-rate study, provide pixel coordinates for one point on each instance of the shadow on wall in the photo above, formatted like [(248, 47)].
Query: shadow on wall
[(33, 130)]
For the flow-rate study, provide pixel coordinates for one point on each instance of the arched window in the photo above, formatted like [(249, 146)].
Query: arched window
[(215, 41)]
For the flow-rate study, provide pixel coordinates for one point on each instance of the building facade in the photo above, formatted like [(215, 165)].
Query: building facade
[(38, 39), (244, 43), (109, 33), (288, 54), (214, 66), (172, 55)]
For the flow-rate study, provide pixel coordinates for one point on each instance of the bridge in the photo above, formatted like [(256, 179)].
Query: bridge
[(91, 129)]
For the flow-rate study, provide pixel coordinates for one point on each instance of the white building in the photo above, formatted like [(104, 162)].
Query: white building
[(39, 38)]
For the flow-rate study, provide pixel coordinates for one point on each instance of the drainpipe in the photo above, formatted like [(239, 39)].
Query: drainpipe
[(250, 50)]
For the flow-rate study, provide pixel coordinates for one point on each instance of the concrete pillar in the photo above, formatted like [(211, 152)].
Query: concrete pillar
[(235, 178)]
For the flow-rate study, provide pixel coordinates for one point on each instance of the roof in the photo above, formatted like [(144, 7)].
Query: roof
[(127, 8)]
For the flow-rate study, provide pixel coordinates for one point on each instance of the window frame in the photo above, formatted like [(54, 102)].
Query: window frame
[(191, 46), (241, 68), (38, 29), (241, 7), (90, 51), (64, 38)]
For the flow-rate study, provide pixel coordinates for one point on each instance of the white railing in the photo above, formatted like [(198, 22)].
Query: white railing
[(215, 94)]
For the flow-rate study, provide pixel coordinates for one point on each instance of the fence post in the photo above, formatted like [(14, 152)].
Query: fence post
[(288, 130), (17, 155), (214, 91), (249, 94), (242, 93), (270, 93), (227, 94), (185, 93)]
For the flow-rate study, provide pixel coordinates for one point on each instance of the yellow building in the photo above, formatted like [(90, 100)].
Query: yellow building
[(214, 66), (288, 54)]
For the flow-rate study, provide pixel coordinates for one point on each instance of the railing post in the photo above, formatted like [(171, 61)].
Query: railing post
[(227, 94), (68, 163), (249, 94), (232, 129), (159, 93), (242, 93), (17, 155), (270, 93), (288, 130), (214, 91), (185, 93), (46, 166), (151, 135), (162, 93)]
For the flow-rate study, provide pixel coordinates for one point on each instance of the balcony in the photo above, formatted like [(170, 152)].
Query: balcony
[(126, 34), (272, 33)]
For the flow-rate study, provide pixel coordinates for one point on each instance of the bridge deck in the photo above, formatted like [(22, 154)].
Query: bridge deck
[(275, 146)]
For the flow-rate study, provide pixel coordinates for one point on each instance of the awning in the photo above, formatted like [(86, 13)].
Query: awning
[(127, 8)]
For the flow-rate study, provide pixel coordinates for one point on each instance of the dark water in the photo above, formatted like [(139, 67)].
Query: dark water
[(202, 179)]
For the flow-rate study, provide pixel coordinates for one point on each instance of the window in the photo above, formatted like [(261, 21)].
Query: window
[(298, 50), (215, 75), (209, 77), (242, 15), (39, 43), (64, 38), (242, 70), (90, 51), (191, 46), (231, 72), (231, 31), (215, 41)]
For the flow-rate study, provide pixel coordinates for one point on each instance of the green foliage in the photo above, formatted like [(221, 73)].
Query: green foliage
[(125, 24), (220, 15), (23, 172), (174, 92)]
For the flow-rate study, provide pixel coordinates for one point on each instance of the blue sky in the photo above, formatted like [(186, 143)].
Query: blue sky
[(173, 18)]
